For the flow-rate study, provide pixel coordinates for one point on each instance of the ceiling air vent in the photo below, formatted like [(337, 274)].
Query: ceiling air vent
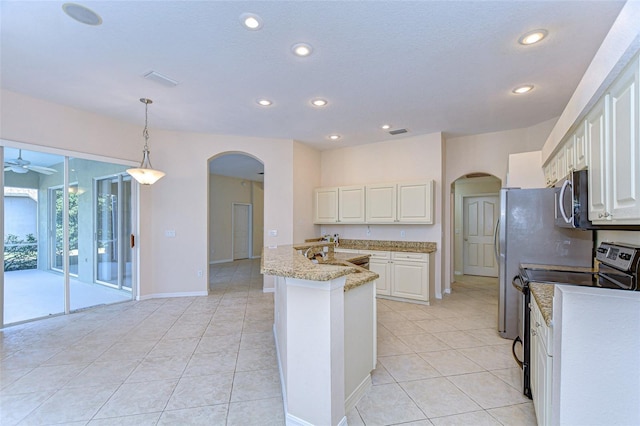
[(161, 79), (398, 131)]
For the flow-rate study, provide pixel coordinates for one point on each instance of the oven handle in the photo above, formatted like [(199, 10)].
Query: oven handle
[(513, 351), (614, 281), (561, 201)]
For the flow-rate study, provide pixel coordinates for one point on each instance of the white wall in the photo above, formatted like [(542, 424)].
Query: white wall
[(397, 160), (179, 200), (306, 177)]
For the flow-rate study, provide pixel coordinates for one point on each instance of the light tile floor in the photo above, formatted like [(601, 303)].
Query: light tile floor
[(211, 361)]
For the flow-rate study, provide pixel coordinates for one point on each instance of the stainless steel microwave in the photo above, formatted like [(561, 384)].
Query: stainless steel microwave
[(572, 204)]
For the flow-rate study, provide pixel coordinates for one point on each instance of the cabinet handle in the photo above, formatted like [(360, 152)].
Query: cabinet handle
[(534, 332), (537, 324), (605, 214)]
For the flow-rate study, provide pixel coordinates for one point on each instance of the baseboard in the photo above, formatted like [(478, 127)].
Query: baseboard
[(213, 262), (357, 394), (167, 295), (402, 299)]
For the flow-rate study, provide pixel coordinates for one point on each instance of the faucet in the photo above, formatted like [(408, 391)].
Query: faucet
[(306, 253)]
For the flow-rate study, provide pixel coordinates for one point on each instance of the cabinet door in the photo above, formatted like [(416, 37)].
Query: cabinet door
[(597, 135), (351, 204), (561, 165), (382, 268), (325, 202), (381, 203), (410, 279), (570, 154), (624, 173), (415, 202), (580, 150), (548, 178)]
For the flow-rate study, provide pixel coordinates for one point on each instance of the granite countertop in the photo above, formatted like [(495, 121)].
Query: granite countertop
[(286, 261), (403, 246), (543, 296)]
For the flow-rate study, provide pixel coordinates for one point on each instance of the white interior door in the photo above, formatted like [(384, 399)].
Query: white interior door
[(241, 231), (480, 217)]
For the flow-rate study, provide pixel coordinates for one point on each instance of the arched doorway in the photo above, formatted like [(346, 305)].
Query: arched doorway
[(236, 207), (476, 209)]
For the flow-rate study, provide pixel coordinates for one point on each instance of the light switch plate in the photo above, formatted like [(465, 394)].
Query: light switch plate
[(170, 233), (273, 232)]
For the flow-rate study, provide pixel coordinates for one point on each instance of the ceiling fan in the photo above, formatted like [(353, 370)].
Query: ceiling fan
[(21, 166)]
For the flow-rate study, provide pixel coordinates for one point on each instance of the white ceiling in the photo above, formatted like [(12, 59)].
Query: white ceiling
[(426, 66)]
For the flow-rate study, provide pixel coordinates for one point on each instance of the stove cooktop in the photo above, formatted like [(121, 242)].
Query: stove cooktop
[(560, 277)]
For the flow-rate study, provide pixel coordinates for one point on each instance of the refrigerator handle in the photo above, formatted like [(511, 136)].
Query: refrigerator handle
[(495, 242)]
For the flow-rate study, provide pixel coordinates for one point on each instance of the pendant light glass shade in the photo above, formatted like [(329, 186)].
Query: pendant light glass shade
[(146, 174)]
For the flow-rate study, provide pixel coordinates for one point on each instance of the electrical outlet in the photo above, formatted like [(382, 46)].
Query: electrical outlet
[(170, 233), (199, 273), (368, 231), (273, 232), (402, 234)]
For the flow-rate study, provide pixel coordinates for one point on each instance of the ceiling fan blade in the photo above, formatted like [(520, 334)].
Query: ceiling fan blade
[(41, 169), (18, 169)]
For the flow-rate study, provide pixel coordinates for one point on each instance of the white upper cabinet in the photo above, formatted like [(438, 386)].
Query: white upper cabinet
[(381, 203), (561, 165), (624, 165), (351, 204), (415, 202), (570, 154), (597, 145), (580, 150), (325, 205), (614, 152), (400, 202), (377, 204)]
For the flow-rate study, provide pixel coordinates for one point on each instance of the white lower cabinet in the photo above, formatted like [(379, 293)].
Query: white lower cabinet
[(383, 269), (402, 275), (541, 367)]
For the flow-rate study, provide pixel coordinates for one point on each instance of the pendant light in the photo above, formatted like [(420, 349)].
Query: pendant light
[(146, 174)]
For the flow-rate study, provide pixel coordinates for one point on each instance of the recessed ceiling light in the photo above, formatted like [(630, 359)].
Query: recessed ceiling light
[(302, 49), (334, 137), (251, 21), (523, 89), (532, 37), (385, 126), (82, 14), (319, 102), (264, 102)]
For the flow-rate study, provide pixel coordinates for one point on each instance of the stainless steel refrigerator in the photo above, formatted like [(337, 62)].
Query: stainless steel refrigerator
[(526, 233)]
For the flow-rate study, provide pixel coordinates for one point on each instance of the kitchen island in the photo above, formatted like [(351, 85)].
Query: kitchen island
[(324, 328)]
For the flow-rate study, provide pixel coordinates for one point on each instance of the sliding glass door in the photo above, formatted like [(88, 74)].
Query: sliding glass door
[(104, 199), (67, 223)]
